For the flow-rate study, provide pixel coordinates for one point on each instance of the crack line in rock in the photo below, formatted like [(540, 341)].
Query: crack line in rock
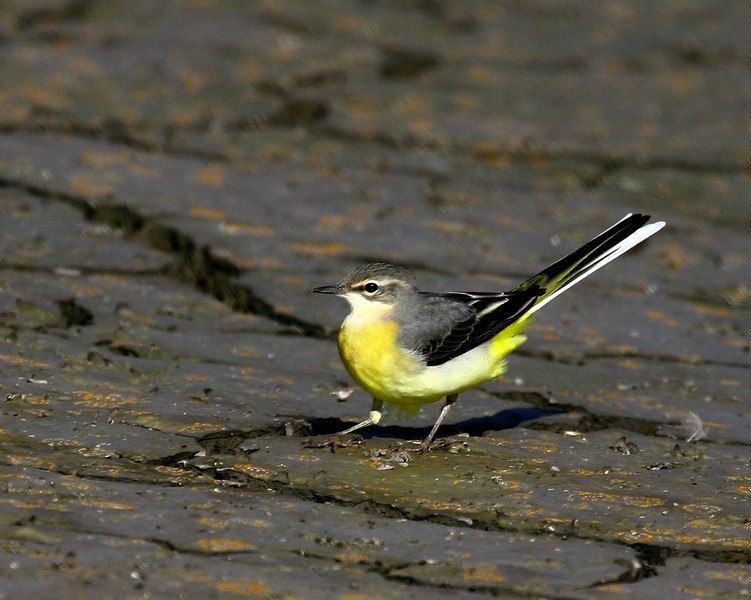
[(115, 132), (194, 264), (309, 113), (534, 153), (647, 552)]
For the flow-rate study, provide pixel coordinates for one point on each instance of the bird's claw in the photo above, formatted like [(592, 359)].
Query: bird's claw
[(428, 445), (335, 441)]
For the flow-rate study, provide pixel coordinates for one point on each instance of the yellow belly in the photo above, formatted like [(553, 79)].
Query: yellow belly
[(371, 354), (375, 361)]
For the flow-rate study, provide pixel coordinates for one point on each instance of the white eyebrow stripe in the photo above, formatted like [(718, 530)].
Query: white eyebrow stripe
[(380, 282)]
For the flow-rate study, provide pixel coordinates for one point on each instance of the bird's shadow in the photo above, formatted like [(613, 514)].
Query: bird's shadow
[(476, 426)]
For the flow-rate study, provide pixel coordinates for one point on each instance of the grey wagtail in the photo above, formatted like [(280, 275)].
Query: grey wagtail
[(410, 348)]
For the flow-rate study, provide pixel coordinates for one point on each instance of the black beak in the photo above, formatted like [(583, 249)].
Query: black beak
[(328, 289)]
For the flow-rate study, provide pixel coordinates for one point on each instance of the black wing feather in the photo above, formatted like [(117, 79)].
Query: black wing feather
[(483, 321)]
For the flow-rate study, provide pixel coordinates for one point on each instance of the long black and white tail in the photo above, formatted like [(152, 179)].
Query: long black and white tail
[(595, 254)]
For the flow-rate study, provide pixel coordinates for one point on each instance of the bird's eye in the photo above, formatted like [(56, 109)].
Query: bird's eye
[(371, 287)]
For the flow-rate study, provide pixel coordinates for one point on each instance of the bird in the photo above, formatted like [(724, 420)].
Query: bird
[(408, 348)]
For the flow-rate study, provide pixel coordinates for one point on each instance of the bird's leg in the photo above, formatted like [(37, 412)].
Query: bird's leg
[(450, 400), (373, 418)]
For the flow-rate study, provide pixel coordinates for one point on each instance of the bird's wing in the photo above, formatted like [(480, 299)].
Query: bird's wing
[(464, 320)]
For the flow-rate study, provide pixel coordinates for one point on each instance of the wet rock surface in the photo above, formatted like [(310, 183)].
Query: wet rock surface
[(175, 176)]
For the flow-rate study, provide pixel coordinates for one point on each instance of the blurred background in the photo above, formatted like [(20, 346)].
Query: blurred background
[(176, 175)]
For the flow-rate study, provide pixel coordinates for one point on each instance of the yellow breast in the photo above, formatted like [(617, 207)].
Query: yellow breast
[(371, 353)]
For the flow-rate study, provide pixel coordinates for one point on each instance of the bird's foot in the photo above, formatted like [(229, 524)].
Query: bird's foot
[(335, 441), (428, 445)]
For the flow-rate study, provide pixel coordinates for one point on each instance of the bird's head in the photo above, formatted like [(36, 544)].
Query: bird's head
[(375, 286)]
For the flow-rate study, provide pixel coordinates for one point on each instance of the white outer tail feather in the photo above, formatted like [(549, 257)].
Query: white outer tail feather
[(635, 238)]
